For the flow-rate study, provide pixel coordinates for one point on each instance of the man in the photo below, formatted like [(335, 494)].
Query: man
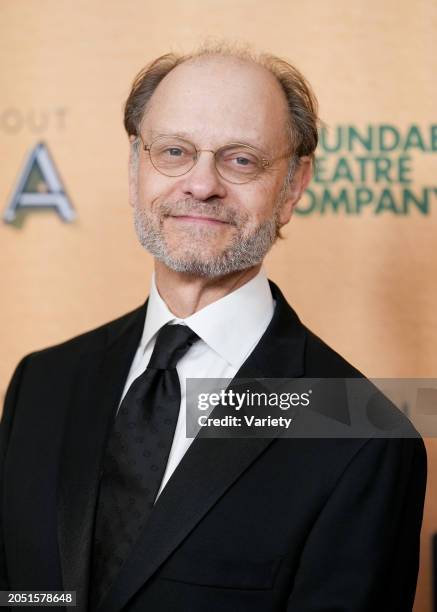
[(102, 492)]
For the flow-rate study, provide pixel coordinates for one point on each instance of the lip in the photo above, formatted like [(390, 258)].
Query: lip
[(199, 219)]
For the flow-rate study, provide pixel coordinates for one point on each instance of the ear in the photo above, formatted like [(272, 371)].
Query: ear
[(301, 179), (132, 173)]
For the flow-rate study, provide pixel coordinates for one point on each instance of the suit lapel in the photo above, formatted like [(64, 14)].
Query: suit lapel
[(98, 387), (210, 465)]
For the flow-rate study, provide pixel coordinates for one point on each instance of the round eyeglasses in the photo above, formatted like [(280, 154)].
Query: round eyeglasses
[(235, 162)]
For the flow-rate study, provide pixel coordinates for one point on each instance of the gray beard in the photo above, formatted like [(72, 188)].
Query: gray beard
[(244, 251)]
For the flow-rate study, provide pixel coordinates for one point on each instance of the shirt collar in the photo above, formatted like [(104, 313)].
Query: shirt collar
[(231, 326)]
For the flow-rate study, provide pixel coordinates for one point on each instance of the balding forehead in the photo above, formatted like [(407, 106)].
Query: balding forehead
[(218, 73), (217, 99), (244, 68)]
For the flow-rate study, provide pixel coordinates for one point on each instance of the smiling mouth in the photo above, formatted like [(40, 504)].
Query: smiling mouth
[(200, 219)]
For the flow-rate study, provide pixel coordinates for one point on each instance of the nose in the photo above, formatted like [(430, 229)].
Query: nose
[(203, 182)]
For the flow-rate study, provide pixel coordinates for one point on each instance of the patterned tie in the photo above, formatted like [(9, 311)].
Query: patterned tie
[(136, 457)]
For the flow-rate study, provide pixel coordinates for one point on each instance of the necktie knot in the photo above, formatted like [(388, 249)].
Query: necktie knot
[(172, 342)]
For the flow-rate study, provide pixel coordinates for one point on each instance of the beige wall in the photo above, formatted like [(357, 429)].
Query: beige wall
[(365, 283)]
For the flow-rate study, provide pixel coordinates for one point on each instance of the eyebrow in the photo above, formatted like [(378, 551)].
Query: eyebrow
[(184, 135)]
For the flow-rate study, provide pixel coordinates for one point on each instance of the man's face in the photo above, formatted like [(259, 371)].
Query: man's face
[(200, 223)]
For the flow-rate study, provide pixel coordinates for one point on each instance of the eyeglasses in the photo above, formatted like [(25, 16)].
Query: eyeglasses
[(234, 162)]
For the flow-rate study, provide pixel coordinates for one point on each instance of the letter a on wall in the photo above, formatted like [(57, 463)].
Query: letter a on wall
[(39, 186)]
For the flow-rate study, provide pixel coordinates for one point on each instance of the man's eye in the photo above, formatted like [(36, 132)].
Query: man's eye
[(243, 161), (174, 152)]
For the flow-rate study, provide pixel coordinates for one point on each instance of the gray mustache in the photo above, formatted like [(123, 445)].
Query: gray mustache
[(213, 208)]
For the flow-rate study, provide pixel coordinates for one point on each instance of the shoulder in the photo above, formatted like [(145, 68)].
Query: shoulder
[(300, 345), (86, 342), (322, 360), (338, 380), (370, 408)]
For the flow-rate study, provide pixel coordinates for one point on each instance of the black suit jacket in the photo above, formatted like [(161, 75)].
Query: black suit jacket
[(296, 525)]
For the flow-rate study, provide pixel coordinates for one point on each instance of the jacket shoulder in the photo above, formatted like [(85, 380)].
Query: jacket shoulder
[(322, 360), (90, 340), (384, 418)]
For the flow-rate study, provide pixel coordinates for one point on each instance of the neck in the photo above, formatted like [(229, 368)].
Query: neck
[(185, 294)]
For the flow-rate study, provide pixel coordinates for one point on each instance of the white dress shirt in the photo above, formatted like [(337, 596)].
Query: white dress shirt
[(228, 329)]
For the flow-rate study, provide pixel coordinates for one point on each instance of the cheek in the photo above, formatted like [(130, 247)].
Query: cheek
[(260, 202), (152, 187)]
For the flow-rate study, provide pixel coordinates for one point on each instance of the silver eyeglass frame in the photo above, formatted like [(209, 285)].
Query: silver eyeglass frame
[(264, 161)]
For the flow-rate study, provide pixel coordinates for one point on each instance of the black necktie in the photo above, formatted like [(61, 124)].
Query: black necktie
[(136, 457)]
